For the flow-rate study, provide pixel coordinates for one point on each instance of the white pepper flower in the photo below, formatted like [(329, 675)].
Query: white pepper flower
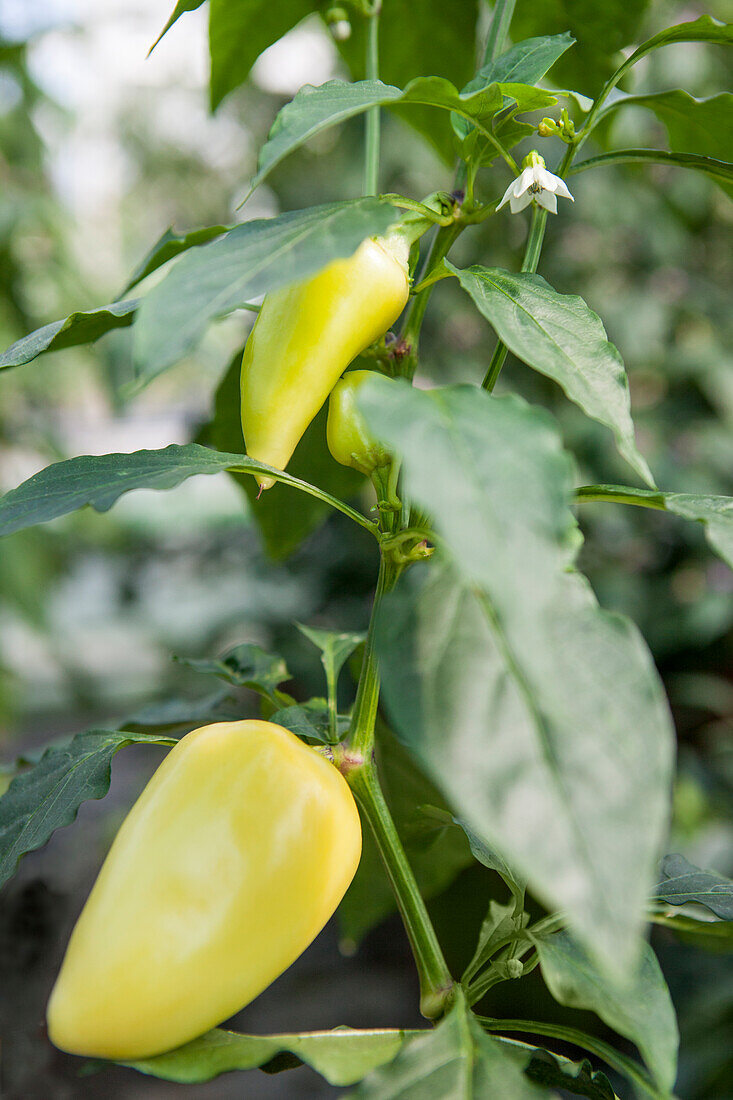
[(535, 183)]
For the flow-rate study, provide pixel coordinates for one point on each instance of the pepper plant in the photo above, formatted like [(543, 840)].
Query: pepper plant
[(534, 718)]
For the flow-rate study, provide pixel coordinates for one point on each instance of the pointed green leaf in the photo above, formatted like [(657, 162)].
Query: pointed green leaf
[(641, 1010), (180, 9), (683, 883), (249, 260), (500, 922), (506, 680), (559, 336), (714, 512), (47, 796), (343, 1056), (246, 665), (525, 63), (576, 1078), (74, 330), (169, 246), (704, 29), (316, 108), (100, 480), (310, 720), (240, 30), (456, 1059), (719, 170), (335, 647)]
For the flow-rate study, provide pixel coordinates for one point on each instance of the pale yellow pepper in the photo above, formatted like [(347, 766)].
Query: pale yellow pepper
[(305, 337), (229, 864), (348, 436)]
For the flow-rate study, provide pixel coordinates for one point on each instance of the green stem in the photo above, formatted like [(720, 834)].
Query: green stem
[(367, 693), (415, 313), (371, 134), (619, 494), (436, 984), (443, 240), (602, 1050), (530, 263), (531, 259), (501, 18)]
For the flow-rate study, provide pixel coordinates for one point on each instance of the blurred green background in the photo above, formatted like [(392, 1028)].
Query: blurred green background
[(100, 151)]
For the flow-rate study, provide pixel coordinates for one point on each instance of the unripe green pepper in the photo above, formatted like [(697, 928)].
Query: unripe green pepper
[(305, 337), (348, 436), (228, 865)]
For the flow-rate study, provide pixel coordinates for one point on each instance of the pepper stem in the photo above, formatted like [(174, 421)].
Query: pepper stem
[(436, 984)]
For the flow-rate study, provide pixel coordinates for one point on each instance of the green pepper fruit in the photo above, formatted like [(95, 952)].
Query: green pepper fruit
[(305, 337), (228, 865), (348, 436)]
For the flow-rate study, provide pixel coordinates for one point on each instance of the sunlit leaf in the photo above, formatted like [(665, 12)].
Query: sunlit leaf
[(540, 717), (558, 335)]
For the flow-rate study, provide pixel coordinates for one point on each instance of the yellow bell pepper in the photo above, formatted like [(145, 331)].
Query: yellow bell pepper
[(349, 439), (229, 864), (305, 337)]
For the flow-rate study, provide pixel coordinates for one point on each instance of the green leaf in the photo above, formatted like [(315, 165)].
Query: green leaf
[(500, 921), (456, 1059), (577, 1078), (479, 849), (525, 63), (719, 170), (284, 515), (246, 665), (239, 31), (180, 9), (336, 648), (76, 329), (314, 109), (683, 883), (624, 1065), (441, 41), (559, 336), (343, 1056), (693, 125), (309, 720), (640, 1010), (704, 29), (436, 855), (249, 260), (714, 512), (170, 245), (47, 796), (503, 676), (100, 480)]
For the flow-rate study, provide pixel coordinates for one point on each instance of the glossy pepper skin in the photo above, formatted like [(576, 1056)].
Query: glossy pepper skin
[(306, 335), (349, 439), (228, 865)]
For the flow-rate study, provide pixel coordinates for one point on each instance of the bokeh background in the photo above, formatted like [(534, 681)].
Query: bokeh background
[(101, 150)]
